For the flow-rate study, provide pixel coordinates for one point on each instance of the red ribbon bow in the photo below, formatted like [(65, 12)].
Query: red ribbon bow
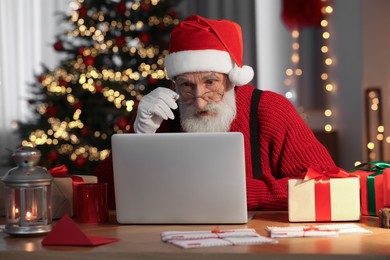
[(59, 171)]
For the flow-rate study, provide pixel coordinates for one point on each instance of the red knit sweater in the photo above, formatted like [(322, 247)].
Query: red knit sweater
[(287, 148)]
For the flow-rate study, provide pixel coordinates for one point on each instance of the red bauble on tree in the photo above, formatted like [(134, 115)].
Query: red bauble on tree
[(77, 105), (81, 50), (153, 81), (62, 83), (85, 131), (80, 161), (120, 41), (297, 14), (41, 78), (82, 11), (52, 156), (145, 7), (58, 46), (121, 122), (51, 111), (144, 37), (89, 60), (121, 8), (172, 13), (98, 88)]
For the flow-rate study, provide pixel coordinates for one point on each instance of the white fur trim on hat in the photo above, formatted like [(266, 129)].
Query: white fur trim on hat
[(198, 61), (241, 76), (207, 60)]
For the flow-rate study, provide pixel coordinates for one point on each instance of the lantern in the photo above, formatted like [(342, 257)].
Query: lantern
[(27, 195)]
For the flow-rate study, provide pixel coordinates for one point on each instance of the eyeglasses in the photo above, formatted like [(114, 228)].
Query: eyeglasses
[(187, 97), (213, 86)]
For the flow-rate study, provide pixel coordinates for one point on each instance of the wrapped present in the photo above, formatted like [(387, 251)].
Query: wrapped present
[(324, 196), (375, 186), (64, 189), (386, 187)]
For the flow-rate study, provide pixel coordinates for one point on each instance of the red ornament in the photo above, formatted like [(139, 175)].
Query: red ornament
[(144, 37), (172, 13), (122, 122), (301, 13), (51, 111), (41, 78), (58, 46), (81, 50), (145, 7), (136, 103), (89, 60), (82, 12), (77, 105), (120, 41), (80, 161), (85, 131), (153, 81), (121, 8), (62, 83), (98, 88), (52, 156)]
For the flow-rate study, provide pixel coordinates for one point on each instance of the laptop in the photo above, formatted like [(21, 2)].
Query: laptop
[(179, 178)]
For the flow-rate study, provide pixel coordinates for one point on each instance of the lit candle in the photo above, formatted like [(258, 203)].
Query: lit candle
[(29, 216)]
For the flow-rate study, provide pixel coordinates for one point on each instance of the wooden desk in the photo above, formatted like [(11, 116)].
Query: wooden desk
[(143, 242)]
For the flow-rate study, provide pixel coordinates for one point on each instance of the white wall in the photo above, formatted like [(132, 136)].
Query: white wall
[(346, 48), (376, 55), (273, 43)]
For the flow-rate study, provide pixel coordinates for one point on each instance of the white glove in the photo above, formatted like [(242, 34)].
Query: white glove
[(154, 108)]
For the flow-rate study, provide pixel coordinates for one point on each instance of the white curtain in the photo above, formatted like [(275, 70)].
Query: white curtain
[(27, 34)]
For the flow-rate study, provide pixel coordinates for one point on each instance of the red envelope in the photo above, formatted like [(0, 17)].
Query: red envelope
[(67, 233)]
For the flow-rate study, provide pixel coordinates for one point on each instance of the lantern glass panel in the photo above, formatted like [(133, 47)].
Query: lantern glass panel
[(28, 206)]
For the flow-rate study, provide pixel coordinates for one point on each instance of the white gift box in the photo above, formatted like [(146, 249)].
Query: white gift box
[(344, 200)]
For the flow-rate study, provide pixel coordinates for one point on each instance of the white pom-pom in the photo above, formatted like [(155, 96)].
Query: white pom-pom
[(241, 76)]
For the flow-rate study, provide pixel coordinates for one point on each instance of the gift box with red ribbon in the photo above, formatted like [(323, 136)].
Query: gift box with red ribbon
[(64, 189), (324, 196), (375, 186), (386, 187)]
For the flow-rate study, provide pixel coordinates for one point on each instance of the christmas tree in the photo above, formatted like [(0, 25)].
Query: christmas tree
[(114, 54)]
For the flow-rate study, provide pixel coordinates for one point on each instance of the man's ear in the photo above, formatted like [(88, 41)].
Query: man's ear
[(173, 86)]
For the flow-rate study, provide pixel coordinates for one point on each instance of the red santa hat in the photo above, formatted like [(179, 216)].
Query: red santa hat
[(199, 44)]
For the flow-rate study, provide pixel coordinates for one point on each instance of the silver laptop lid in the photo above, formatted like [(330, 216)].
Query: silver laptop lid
[(179, 178)]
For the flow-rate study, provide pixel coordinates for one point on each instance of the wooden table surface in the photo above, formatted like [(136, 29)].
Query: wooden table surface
[(143, 242)]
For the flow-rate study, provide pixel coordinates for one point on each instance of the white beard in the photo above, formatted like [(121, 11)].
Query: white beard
[(225, 112)]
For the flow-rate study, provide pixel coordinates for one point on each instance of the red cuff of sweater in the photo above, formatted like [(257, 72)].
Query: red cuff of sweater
[(267, 196)]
